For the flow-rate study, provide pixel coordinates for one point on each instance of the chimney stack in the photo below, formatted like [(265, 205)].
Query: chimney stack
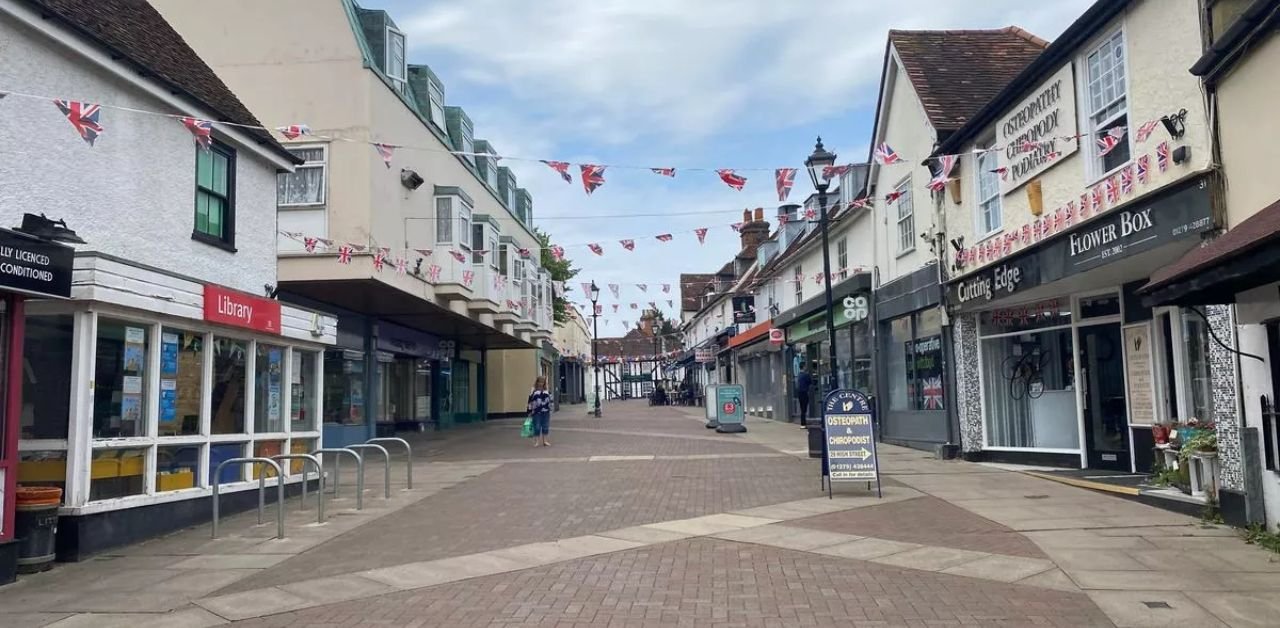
[(754, 229)]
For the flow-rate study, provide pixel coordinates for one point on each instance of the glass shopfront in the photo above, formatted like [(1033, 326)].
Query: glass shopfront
[(915, 363), (344, 402)]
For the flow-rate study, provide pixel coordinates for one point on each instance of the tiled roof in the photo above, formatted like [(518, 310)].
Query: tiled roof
[(956, 72), (1257, 230), (134, 31), (692, 287)]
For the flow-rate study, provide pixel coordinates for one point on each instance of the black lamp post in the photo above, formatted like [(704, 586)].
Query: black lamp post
[(595, 338), (819, 164)]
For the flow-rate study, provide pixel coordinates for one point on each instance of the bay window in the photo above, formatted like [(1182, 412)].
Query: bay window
[(305, 186)]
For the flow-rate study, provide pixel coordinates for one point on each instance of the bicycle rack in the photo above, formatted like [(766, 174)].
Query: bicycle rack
[(319, 491), (408, 455), (337, 471), (262, 485), (386, 489)]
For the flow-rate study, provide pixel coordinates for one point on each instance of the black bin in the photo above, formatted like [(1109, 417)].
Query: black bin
[(817, 438), (36, 526)]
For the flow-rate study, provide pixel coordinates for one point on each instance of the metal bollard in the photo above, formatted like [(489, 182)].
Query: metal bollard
[(319, 490), (338, 451), (261, 487), (386, 493), (408, 456)]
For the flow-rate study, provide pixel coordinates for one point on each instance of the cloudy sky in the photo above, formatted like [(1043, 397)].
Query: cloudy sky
[(672, 83)]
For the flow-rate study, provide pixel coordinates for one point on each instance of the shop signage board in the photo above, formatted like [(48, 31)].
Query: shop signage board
[(729, 410), (744, 309), (238, 309), (33, 266), (1043, 118), (1138, 374), (704, 355), (1179, 215), (850, 447)]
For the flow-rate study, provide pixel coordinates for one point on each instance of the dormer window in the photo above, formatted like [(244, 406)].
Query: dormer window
[(435, 94), (491, 172), (397, 61)]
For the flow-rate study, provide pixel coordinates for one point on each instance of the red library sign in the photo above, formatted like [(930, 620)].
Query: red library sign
[(228, 307)]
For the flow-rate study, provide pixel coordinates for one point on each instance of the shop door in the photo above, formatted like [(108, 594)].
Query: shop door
[(1106, 421)]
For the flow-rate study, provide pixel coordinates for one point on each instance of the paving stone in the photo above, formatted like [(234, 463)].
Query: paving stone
[(1241, 610), (1072, 559), (788, 537), (1051, 579), (867, 549), (930, 558), (254, 603), (1143, 609), (231, 561), (646, 535), (711, 524), (27, 620), (337, 588), (1150, 580), (1084, 539), (1001, 568), (186, 618)]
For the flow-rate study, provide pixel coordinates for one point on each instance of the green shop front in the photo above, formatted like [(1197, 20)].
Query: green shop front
[(808, 342)]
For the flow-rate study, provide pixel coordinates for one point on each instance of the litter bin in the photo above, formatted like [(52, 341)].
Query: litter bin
[(817, 438), (36, 526)]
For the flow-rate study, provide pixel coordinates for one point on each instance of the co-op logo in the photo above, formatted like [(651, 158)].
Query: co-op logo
[(855, 307), (1003, 279)]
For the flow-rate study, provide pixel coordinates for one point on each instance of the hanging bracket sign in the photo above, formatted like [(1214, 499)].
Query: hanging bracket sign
[(849, 435)]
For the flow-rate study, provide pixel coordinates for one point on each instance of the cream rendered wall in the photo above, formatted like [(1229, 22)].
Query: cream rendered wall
[(572, 337), (511, 378), (859, 233), (1248, 130), (1162, 40), (905, 127)]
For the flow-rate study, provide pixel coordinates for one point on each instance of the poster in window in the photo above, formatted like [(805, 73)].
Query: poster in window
[(131, 409), (168, 400), (168, 354), (275, 359), (927, 364), (1137, 364)]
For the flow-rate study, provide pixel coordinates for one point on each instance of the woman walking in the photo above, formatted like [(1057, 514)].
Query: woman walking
[(540, 411)]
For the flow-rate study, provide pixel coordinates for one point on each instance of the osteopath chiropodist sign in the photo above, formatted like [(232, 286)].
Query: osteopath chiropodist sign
[(851, 442), (1045, 116), (228, 307)]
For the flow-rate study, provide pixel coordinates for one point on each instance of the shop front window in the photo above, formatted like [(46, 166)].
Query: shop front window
[(266, 449), (43, 468), (230, 377), (302, 408), (422, 390), (268, 391), (120, 379), (181, 382), (344, 402), (844, 357), (1028, 377), (1199, 376), (117, 473), (301, 446), (176, 467), (899, 367), (46, 377), (225, 451), (916, 363), (863, 371)]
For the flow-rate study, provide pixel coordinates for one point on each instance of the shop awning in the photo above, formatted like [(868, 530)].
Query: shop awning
[(751, 335), (1245, 257)]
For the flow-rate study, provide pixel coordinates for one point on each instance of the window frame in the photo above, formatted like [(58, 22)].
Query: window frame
[(1095, 169), (798, 274), (435, 102), (449, 221), (985, 162), (402, 79), (468, 140), (323, 165), (907, 220), (842, 258), (463, 217), (227, 240)]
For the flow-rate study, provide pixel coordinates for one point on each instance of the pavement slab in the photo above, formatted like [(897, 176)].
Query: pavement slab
[(1152, 609), (1241, 610)]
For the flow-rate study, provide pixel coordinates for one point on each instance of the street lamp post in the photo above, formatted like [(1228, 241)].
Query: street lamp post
[(819, 164), (595, 340)]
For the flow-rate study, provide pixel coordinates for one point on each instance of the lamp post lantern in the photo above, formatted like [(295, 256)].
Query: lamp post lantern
[(819, 164), (595, 339)]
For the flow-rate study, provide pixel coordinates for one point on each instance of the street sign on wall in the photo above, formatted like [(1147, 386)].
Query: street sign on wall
[(850, 443)]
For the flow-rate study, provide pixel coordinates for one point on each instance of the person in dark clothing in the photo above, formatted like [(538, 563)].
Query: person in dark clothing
[(803, 383)]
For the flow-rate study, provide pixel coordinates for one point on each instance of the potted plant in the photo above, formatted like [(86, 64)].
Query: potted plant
[(1160, 432)]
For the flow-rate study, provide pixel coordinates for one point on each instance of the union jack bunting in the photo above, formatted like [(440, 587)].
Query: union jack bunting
[(862, 203), (701, 232), (817, 278), (359, 248), (1071, 213), (385, 151), (892, 196), (1113, 191), (1084, 205), (732, 179), (666, 237), (586, 287), (671, 303), (1026, 233), (379, 257), (596, 248), (423, 252), (1098, 205), (562, 167), (653, 305), (201, 131), (1145, 130), (666, 172), (1144, 169), (737, 226), (592, 177), (1002, 171), (344, 254), (810, 214), (785, 178), (831, 172), (458, 255), (1110, 140), (946, 163), (1162, 156), (1029, 146), (525, 253), (614, 288), (83, 116), (629, 245), (634, 306), (666, 288), (309, 244), (615, 308), (1126, 181), (402, 266), (885, 155), (1059, 219), (433, 273), (293, 131), (644, 287), (468, 276)]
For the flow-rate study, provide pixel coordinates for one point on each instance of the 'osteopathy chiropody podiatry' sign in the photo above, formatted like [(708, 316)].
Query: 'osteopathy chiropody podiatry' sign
[(850, 438)]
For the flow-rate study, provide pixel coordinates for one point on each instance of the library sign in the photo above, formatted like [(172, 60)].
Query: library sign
[(33, 266), (1047, 115)]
